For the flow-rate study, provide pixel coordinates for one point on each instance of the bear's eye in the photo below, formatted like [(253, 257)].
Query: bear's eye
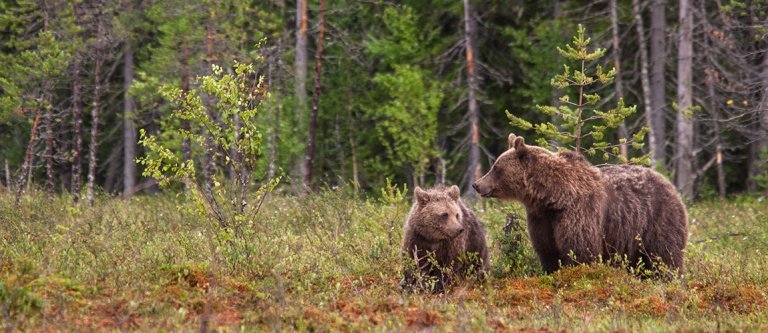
[(444, 216), (457, 216)]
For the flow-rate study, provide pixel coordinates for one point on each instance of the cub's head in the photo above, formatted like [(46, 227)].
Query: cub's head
[(506, 179), (436, 214)]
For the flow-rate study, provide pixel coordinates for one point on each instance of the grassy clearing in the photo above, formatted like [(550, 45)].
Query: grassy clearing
[(325, 262)]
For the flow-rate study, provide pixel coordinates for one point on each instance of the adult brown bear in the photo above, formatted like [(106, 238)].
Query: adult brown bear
[(577, 212)]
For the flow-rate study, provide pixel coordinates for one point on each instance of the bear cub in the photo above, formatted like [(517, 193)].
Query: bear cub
[(443, 240)]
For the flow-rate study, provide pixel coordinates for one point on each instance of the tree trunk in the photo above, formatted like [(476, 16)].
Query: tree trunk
[(473, 165), (712, 106), (301, 75), (352, 145), (684, 121), (112, 177), (23, 177), (47, 95), (93, 145), (186, 145), (442, 172), (618, 83), (557, 13), (342, 169), (658, 91), (315, 96), (557, 9), (353, 149), (209, 158), (129, 130), (644, 80), (757, 165), (274, 135), (716, 128), (301, 54), (764, 116), (77, 123), (7, 175)]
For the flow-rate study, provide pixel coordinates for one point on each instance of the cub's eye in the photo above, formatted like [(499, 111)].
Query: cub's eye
[(457, 216), (444, 216)]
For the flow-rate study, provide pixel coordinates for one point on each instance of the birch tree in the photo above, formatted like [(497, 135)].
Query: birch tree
[(684, 117)]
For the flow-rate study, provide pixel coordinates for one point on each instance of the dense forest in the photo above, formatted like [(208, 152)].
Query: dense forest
[(356, 92)]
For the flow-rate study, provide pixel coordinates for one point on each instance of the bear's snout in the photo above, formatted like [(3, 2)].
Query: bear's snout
[(483, 192), (459, 231)]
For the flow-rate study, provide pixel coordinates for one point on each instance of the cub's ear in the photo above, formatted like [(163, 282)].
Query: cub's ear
[(422, 197), (454, 192), (511, 141)]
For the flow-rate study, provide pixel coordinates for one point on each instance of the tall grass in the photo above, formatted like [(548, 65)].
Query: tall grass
[(327, 261)]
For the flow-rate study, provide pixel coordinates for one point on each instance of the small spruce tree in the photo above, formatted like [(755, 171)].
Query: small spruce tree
[(583, 126)]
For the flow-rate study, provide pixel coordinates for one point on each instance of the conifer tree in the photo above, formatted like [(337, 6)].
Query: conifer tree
[(583, 125)]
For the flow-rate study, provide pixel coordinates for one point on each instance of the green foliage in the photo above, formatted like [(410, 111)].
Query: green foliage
[(29, 75), (391, 194), (517, 256), (406, 118), (17, 300), (402, 39), (227, 127), (534, 49), (393, 199), (407, 122), (688, 113), (176, 50), (580, 119)]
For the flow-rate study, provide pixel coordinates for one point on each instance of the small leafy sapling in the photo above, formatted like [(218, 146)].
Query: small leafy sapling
[(231, 135)]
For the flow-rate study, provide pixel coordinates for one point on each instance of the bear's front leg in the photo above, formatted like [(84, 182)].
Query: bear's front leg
[(543, 241), (577, 238)]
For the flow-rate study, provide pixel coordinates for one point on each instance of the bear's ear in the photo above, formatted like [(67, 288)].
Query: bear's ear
[(454, 192), (519, 144), (421, 196), (511, 141)]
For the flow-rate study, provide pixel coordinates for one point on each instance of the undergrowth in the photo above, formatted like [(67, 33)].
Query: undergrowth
[(328, 262)]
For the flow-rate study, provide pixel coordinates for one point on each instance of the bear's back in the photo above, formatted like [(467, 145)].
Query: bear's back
[(642, 206)]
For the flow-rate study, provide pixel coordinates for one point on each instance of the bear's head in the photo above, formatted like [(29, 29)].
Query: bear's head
[(437, 215), (506, 179), (530, 173)]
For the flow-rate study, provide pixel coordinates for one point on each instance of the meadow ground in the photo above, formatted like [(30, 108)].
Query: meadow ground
[(326, 262)]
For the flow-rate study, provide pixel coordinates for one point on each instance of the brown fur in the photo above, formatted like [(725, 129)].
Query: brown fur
[(578, 213), (442, 227)]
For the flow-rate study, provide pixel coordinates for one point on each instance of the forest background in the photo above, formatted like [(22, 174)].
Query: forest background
[(362, 91)]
